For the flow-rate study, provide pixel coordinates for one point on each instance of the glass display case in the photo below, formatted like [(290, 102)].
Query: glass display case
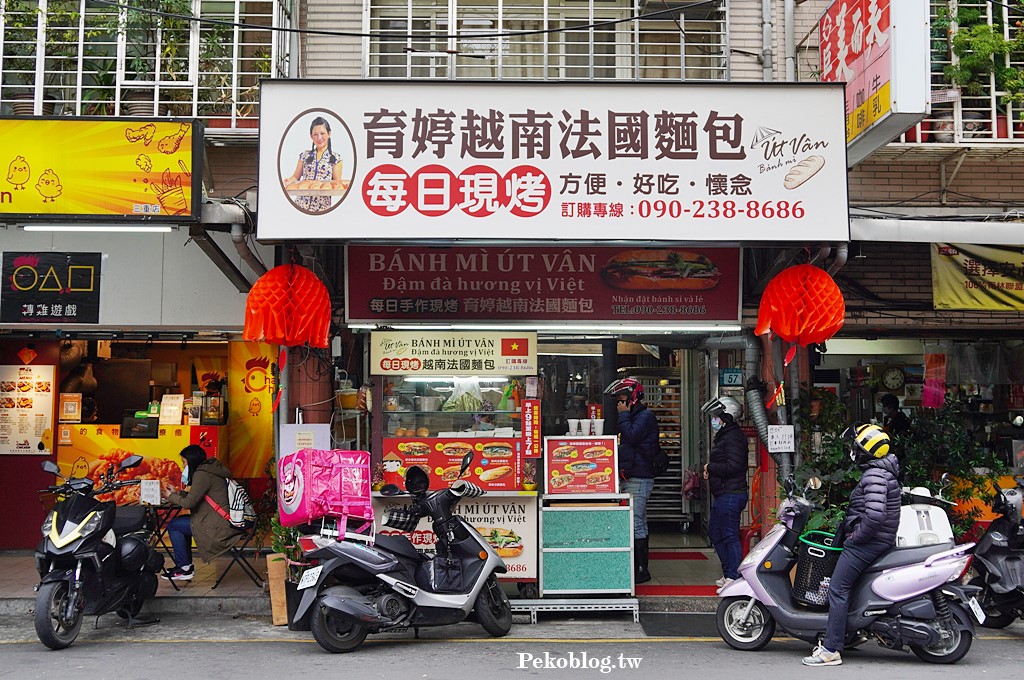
[(433, 422)]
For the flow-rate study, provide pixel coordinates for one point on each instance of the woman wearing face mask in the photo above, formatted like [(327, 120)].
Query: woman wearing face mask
[(214, 535), (726, 472)]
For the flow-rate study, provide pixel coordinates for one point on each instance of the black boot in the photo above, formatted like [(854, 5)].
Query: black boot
[(640, 559)]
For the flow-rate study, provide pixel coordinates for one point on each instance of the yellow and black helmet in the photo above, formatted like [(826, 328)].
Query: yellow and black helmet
[(868, 441)]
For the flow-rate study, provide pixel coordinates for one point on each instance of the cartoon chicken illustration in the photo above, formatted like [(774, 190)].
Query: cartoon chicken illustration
[(49, 186), (255, 406), (18, 172), (80, 468)]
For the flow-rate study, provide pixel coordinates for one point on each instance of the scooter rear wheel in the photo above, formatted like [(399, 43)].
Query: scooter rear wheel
[(994, 618), (953, 649), (334, 632), (51, 603), (747, 635)]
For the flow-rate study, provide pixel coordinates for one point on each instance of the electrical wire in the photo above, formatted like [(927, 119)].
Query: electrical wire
[(398, 36)]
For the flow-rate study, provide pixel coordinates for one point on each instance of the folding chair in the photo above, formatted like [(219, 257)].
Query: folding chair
[(237, 554)]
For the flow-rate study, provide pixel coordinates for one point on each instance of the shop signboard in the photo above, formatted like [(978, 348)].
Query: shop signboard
[(250, 401), (26, 409), (966, 276), (508, 522), (531, 428), (112, 170), (87, 450), (497, 463), (578, 285), (879, 50), (420, 353), (580, 465), (46, 287), (693, 162)]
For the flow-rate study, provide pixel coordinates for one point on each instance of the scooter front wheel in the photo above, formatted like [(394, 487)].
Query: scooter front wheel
[(746, 633), (334, 632), (51, 604), (493, 610)]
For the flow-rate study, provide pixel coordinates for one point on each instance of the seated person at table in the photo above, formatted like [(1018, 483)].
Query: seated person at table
[(214, 535)]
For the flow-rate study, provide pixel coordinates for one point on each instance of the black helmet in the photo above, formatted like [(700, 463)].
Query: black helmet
[(631, 386), (132, 553)]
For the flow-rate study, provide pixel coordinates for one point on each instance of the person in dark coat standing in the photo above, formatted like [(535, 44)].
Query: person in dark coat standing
[(213, 534), (638, 441), (726, 472), (868, 530), (894, 421)]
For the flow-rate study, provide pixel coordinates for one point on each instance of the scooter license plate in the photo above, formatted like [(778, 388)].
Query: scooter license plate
[(979, 613), (310, 577)]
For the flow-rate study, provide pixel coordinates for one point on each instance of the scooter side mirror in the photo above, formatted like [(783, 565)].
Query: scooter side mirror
[(814, 483), (390, 490), (130, 462), (467, 460), (51, 467)]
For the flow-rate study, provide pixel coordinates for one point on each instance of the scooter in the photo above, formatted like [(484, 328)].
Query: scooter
[(357, 589), (907, 598), (999, 560), (94, 557), (923, 518)]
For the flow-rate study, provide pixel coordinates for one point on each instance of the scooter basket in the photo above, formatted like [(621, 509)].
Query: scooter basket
[(816, 560)]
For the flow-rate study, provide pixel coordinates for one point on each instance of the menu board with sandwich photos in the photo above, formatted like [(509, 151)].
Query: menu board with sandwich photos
[(508, 523), (26, 409), (497, 463), (580, 465)]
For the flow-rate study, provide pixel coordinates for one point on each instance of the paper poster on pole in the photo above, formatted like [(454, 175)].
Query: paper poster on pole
[(781, 439)]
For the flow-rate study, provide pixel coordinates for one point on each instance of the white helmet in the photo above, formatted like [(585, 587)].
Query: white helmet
[(719, 405)]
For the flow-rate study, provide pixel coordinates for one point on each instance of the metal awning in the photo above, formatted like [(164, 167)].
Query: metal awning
[(937, 231)]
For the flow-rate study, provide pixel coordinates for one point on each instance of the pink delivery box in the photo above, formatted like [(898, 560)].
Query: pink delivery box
[(312, 483)]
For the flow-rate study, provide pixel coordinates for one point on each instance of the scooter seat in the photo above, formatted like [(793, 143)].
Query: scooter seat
[(129, 518), (399, 545), (901, 557)]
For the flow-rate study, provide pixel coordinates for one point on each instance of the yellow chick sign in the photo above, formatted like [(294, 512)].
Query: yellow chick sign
[(119, 168)]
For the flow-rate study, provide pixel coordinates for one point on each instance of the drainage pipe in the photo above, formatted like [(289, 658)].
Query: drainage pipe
[(790, 38), (249, 257), (767, 29)]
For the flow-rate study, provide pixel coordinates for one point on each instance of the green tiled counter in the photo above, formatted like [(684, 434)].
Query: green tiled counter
[(586, 547)]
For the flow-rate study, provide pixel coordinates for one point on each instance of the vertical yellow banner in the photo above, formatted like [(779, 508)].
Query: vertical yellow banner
[(250, 399)]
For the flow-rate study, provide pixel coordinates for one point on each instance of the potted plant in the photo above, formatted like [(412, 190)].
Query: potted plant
[(60, 51), (284, 568), (529, 476), (157, 38)]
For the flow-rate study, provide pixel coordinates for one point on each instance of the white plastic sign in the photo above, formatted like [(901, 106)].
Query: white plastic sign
[(781, 439)]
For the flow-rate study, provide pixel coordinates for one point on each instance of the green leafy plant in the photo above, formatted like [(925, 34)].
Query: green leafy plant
[(938, 442), (285, 540)]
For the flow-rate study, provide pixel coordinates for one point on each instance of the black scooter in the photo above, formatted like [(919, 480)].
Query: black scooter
[(999, 560), (358, 589), (94, 558)]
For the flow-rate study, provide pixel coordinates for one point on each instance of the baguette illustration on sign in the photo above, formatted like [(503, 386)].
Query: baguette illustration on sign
[(803, 171)]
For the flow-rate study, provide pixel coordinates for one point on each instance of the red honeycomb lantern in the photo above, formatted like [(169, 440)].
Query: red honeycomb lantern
[(801, 304), (290, 306)]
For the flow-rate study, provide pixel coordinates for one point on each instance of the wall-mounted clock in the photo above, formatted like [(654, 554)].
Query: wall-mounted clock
[(893, 378)]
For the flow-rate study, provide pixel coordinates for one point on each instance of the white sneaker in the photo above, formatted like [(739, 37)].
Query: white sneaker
[(823, 657), (723, 582)]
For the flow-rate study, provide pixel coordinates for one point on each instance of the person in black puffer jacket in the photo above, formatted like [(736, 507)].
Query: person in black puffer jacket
[(638, 441), (868, 530), (726, 472)]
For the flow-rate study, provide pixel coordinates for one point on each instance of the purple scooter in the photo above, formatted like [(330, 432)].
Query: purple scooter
[(909, 597)]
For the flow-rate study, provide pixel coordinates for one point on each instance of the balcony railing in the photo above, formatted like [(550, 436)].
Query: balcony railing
[(186, 58), (977, 75)]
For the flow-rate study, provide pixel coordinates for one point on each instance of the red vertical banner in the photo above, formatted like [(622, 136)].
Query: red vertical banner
[(531, 428), (594, 411), (934, 394)]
